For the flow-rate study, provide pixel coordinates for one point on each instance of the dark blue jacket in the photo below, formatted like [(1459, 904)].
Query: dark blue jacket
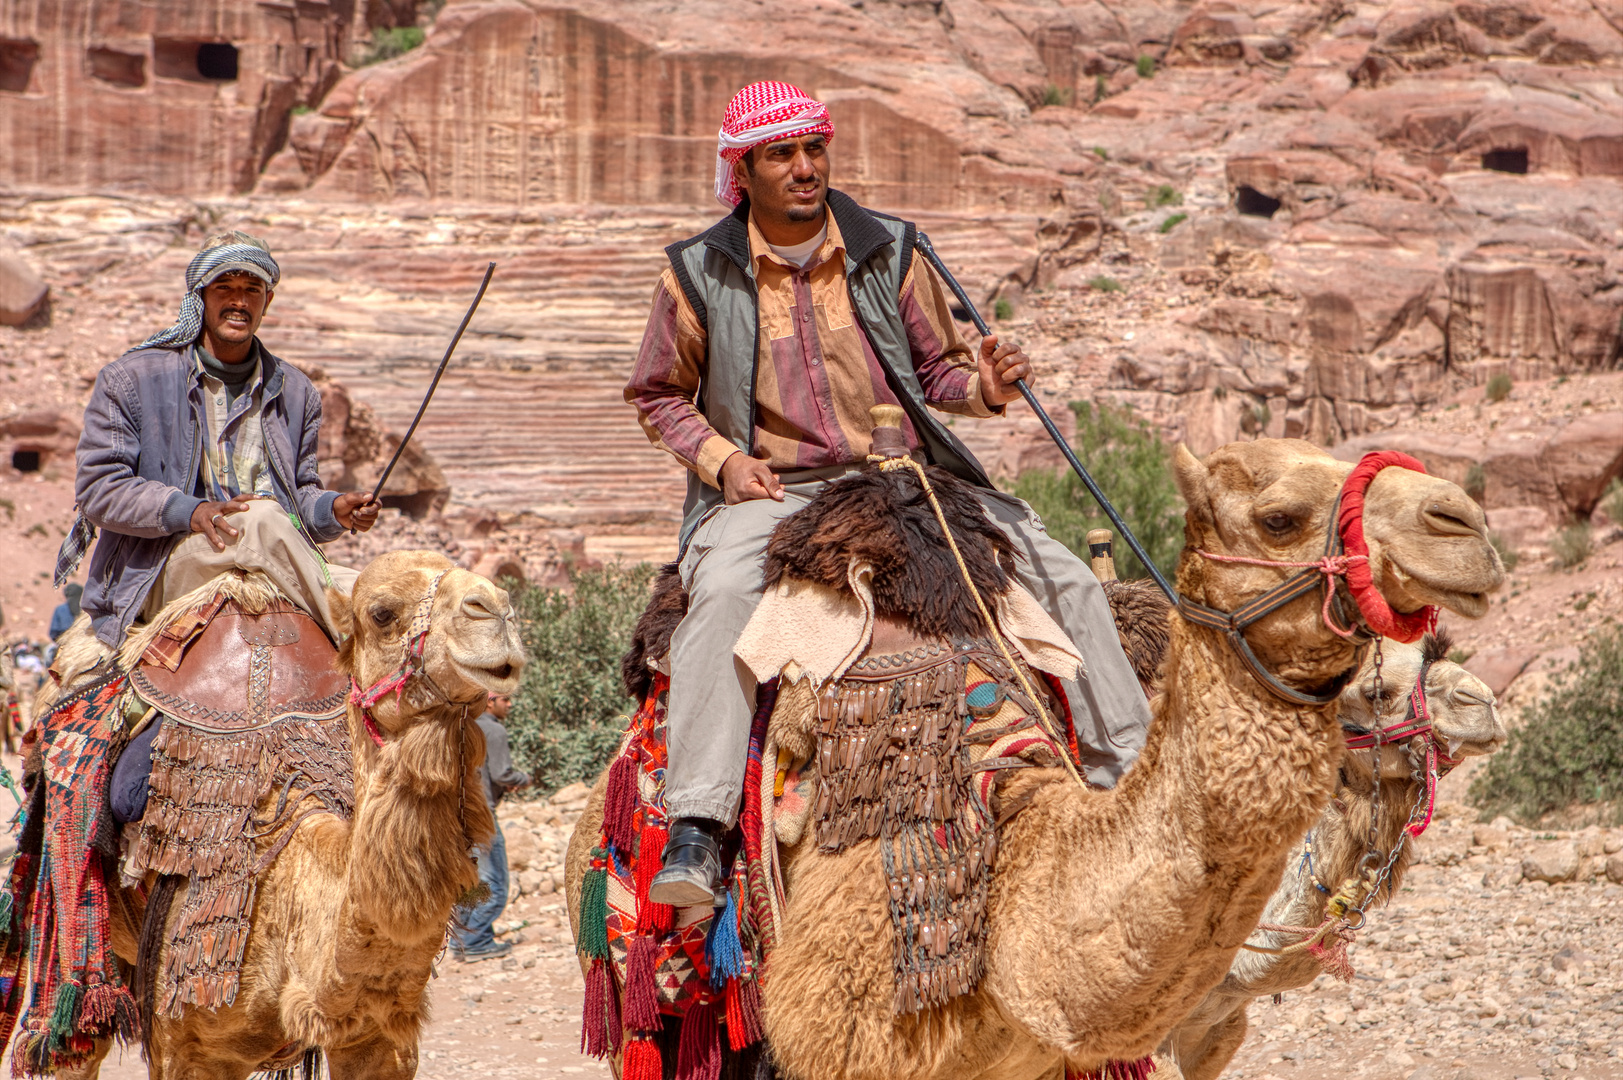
[(138, 469)]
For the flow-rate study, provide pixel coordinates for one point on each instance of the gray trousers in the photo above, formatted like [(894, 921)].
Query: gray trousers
[(712, 695)]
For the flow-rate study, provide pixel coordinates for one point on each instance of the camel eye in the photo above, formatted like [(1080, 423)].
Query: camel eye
[(382, 616), (1277, 522)]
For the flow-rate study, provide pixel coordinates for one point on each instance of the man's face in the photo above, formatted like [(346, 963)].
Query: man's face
[(234, 306), (500, 705), (787, 179)]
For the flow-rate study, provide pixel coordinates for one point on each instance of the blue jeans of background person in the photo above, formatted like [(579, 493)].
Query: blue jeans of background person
[(478, 923)]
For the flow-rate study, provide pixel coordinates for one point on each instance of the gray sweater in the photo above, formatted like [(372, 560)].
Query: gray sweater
[(497, 772)]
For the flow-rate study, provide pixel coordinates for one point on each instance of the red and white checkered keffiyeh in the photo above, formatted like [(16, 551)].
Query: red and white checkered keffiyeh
[(763, 112)]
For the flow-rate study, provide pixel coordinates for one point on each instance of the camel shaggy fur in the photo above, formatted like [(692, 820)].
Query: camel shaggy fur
[(1465, 723), (351, 914), (1113, 913)]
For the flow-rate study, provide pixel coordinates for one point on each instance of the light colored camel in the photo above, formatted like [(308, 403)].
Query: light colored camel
[(1112, 913), (351, 915), (1465, 724)]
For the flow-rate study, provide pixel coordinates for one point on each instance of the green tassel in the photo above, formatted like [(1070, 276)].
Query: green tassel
[(6, 904), (65, 1013), (593, 938)]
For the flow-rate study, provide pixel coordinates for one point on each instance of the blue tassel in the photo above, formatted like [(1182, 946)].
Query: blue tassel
[(723, 952)]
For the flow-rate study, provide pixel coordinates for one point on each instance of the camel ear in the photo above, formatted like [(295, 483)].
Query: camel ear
[(343, 612), (1192, 475)]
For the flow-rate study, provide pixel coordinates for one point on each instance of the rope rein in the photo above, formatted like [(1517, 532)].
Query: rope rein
[(1331, 566), (1047, 722)]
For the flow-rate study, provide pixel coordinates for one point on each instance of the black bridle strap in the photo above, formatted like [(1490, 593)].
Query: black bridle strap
[(1232, 624)]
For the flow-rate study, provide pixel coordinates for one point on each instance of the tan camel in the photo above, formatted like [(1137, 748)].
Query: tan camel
[(1112, 913), (351, 915), (1465, 724)]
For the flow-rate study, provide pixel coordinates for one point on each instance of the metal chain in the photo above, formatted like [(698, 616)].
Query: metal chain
[(1372, 850)]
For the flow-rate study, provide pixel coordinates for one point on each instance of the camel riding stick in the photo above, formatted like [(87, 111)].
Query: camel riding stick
[(924, 245), (446, 359)]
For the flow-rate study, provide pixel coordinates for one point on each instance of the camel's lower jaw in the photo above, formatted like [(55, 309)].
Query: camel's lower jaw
[(1407, 593), (500, 677)]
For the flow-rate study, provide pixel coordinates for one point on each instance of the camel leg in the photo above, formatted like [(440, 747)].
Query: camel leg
[(90, 1067), (375, 1059), (1207, 1059)]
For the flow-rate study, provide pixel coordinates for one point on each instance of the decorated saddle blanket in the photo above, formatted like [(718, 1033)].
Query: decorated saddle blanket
[(251, 708), (908, 750), (55, 911)]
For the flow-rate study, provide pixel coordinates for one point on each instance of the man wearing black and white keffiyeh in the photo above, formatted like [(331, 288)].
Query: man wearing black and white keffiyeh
[(198, 455)]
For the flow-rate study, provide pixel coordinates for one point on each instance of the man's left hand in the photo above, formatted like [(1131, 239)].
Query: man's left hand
[(1000, 367), (354, 511)]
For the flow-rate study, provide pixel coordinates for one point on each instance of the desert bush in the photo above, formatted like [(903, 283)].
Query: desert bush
[(1003, 309), (1146, 67), (1056, 95), (388, 43), (1569, 747), (1103, 283), (1507, 554), (1165, 195), (1173, 222), (569, 710), (1611, 502), (1571, 545), (1476, 481), (1134, 469), (1499, 387)]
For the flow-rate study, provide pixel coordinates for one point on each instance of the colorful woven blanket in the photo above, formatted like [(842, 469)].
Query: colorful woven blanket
[(649, 961), (55, 907)]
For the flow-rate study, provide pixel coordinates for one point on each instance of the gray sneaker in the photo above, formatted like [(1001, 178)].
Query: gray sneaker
[(473, 956)]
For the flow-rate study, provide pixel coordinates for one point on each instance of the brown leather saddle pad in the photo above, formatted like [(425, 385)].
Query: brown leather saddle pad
[(271, 666)]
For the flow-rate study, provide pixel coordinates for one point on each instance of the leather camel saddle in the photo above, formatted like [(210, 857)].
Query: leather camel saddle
[(220, 668)]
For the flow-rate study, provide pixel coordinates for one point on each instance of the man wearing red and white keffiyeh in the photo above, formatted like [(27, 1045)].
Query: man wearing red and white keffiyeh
[(795, 314)]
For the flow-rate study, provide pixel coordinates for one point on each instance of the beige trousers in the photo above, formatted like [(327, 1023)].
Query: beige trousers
[(269, 542)]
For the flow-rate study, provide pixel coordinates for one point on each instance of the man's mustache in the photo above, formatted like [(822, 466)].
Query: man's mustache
[(230, 311)]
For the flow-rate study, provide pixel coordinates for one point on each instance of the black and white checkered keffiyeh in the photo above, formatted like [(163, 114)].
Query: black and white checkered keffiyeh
[(203, 269), (206, 265)]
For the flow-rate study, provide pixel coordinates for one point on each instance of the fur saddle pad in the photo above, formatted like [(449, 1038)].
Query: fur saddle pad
[(251, 708)]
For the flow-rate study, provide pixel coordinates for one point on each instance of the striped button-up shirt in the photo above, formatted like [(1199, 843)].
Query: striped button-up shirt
[(234, 461), (818, 375)]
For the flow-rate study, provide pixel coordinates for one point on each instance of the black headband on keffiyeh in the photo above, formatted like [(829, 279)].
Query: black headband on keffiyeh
[(206, 267)]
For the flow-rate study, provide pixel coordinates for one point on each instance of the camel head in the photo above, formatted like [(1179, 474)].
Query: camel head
[(881, 520), (471, 649), (1271, 500), (1465, 721)]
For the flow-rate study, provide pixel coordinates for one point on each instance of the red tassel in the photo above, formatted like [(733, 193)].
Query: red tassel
[(743, 1013), (620, 804), (642, 993), (600, 1015), (652, 919), (698, 1054), (642, 1061)]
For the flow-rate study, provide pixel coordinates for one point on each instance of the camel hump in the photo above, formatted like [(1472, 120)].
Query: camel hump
[(223, 667)]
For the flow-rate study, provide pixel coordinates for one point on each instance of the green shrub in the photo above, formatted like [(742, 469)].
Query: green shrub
[(1499, 387), (1165, 195), (1134, 469), (1104, 284), (1476, 481), (1611, 502), (1002, 309), (1101, 90), (1569, 747), (301, 109), (569, 710), (1507, 554), (1056, 95), (388, 43), (1571, 545), (1100, 152), (1173, 222), (1146, 67)]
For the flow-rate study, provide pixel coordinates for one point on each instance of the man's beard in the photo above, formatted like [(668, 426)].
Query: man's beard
[(806, 213)]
